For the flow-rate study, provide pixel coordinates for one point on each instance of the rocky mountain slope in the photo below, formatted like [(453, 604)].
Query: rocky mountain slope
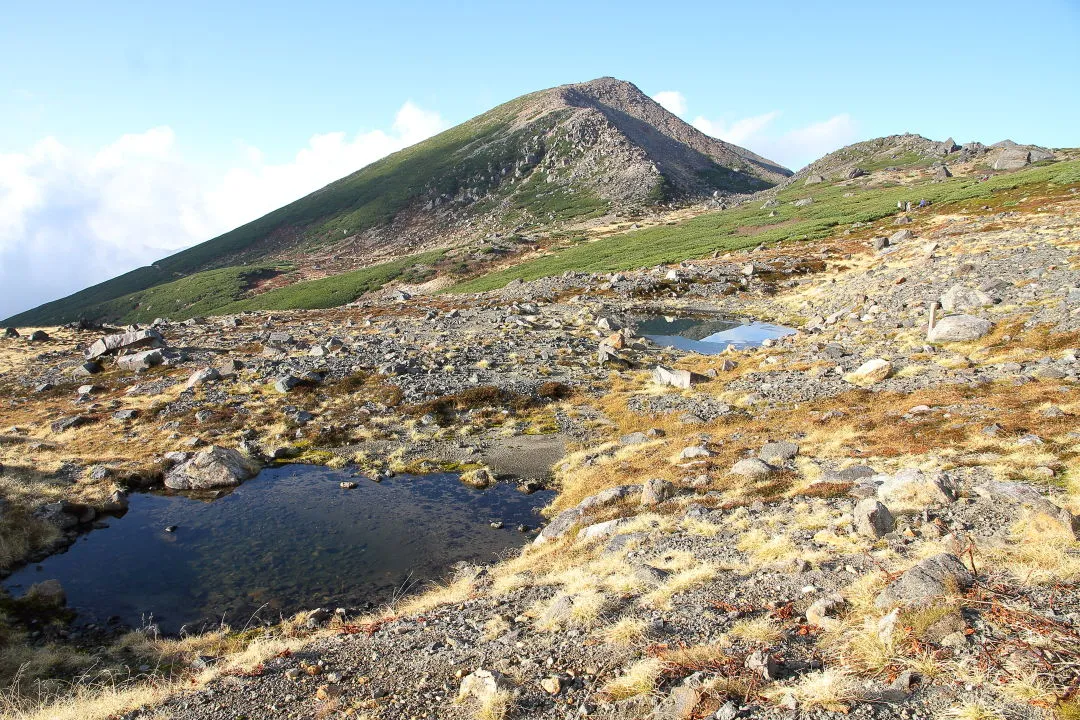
[(914, 151), (567, 153)]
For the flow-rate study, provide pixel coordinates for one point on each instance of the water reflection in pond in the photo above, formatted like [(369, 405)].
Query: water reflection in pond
[(287, 540), (707, 335)]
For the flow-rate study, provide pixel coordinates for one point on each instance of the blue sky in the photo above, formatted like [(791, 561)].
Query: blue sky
[(130, 130)]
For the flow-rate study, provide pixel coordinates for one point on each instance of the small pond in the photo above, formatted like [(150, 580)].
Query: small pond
[(707, 335), (290, 539)]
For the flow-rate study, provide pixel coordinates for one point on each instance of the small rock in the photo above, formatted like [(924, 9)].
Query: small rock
[(656, 491), (873, 519), (870, 372), (778, 453), (752, 468)]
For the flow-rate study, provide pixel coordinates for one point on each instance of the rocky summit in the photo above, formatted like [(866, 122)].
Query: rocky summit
[(854, 493)]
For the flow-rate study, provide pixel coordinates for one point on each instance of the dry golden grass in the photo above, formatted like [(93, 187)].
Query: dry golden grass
[(758, 631), (697, 657), (679, 582), (639, 679), (1040, 549), (95, 701), (973, 710), (449, 594), (495, 628), (625, 631), (764, 548), (495, 706), (832, 690)]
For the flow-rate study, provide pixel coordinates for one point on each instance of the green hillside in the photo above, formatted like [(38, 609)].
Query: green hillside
[(228, 290), (727, 230), (365, 199)]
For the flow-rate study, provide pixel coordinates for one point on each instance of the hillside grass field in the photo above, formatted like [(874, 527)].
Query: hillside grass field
[(752, 225), (229, 290)]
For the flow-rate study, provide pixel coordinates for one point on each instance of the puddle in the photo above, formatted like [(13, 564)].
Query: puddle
[(288, 540), (707, 335)]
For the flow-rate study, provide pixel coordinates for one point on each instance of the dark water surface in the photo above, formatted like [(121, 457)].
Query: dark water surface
[(287, 540), (707, 335)]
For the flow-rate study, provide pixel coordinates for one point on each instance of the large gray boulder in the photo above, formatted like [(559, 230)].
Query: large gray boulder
[(676, 378), (959, 328), (111, 344), (923, 585), (1023, 496), (609, 496), (752, 468), (913, 487), (778, 453), (1012, 159), (213, 467), (141, 360), (959, 297), (559, 526)]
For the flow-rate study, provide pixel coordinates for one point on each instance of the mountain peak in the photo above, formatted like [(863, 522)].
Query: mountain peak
[(554, 157)]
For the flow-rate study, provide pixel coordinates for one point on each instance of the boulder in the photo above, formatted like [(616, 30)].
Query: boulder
[(1037, 154), (778, 453), (479, 478), (11, 333), (656, 491), (914, 487), (603, 530), (202, 377), (814, 179), (870, 372), (39, 336), (609, 496), (959, 328), (959, 297), (873, 519), (482, 685), (213, 467), (1022, 495), (47, 593), (559, 526), (86, 369), (1012, 158), (72, 421), (676, 378), (855, 173), (111, 344), (923, 585), (141, 360), (286, 383), (752, 468)]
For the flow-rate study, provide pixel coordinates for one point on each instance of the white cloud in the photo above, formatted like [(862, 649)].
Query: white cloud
[(793, 148), (672, 100), (739, 132), (69, 219)]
